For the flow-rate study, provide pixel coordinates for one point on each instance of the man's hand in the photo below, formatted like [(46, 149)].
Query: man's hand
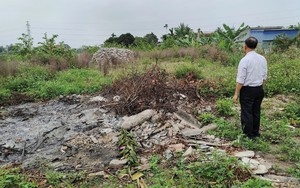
[(238, 88), (235, 98)]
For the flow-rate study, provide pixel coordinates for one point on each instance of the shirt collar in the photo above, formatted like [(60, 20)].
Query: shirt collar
[(251, 52)]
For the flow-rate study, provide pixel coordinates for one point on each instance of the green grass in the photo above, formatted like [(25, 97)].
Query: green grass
[(189, 69), (38, 83), (13, 177), (78, 81), (207, 118), (225, 107)]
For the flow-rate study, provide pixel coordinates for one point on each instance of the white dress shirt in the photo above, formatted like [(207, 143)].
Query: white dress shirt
[(252, 70)]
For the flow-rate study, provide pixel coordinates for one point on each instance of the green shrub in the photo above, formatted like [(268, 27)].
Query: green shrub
[(257, 145), (224, 107), (217, 88), (207, 118), (226, 130), (292, 110), (255, 183), (275, 132), (39, 83), (295, 171), (188, 69), (63, 179), (13, 178), (4, 95), (289, 153), (27, 78), (222, 171), (283, 78), (72, 81), (128, 145)]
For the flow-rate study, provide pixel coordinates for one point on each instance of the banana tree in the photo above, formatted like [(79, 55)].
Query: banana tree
[(228, 36)]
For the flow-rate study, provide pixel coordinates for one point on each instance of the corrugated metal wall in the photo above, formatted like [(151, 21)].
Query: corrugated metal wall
[(270, 35)]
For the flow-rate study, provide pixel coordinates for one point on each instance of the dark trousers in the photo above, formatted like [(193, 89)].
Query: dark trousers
[(250, 99)]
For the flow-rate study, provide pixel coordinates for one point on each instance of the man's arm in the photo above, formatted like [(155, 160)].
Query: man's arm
[(238, 88)]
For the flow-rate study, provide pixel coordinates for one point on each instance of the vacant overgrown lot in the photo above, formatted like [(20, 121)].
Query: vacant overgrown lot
[(215, 77)]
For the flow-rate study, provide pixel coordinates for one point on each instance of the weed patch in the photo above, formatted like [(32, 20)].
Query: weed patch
[(14, 178), (225, 107), (295, 171), (207, 118), (188, 69)]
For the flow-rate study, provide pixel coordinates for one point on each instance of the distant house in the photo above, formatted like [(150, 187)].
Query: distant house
[(265, 35)]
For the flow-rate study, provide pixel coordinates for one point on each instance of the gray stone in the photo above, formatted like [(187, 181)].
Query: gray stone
[(261, 169), (168, 154), (265, 163), (137, 119), (221, 151), (252, 163), (208, 108), (116, 163), (116, 98), (106, 131), (94, 139), (176, 147), (206, 128), (156, 118), (115, 139), (244, 154), (188, 152), (286, 179), (187, 119), (187, 132), (97, 174), (144, 167), (98, 99), (209, 137)]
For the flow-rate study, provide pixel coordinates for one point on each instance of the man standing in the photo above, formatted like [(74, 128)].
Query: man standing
[(252, 73)]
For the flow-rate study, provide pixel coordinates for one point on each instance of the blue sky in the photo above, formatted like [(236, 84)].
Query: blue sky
[(90, 22)]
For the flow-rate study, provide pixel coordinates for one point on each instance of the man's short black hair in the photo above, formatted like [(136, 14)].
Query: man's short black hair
[(251, 42)]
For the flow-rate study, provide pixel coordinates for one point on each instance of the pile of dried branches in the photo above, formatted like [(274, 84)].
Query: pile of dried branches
[(153, 89)]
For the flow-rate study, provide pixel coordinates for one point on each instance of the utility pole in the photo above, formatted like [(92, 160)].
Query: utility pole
[(28, 29), (198, 34)]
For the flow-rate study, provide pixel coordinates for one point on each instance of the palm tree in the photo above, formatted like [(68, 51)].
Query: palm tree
[(183, 30), (166, 26)]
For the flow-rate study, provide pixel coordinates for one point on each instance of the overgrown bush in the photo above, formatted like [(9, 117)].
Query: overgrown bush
[(221, 171), (73, 81), (295, 171), (292, 112), (38, 83), (8, 68), (255, 183), (27, 78), (283, 78), (225, 107), (206, 118), (188, 69), (226, 130)]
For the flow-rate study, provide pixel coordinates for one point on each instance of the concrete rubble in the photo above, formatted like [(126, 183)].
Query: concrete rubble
[(75, 134), (109, 57), (244, 154)]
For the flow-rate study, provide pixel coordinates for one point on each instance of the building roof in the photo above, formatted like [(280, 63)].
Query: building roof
[(267, 33), (267, 28)]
